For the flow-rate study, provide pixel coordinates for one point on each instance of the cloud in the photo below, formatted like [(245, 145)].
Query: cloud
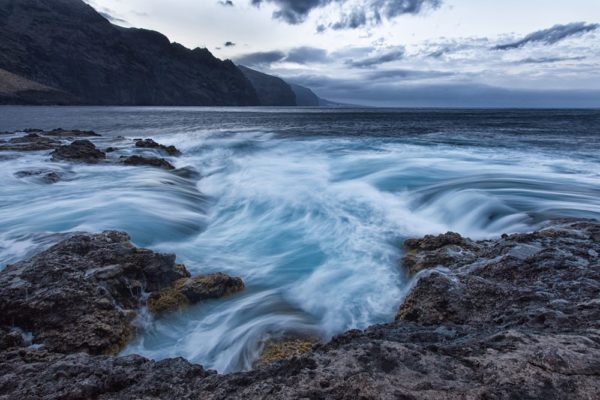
[(551, 36), (226, 3), (307, 55), (229, 44), (260, 58), (395, 54), (549, 60), (406, 74), (352, 14)]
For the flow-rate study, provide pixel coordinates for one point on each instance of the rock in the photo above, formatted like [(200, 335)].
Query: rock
[(194, 290), (81, 294), (151, 144), (10, 338), (41, 175), (30, 142), (70, 133), (148, 161), (497, 324), (81, 151), (449, 247), (285, 349)]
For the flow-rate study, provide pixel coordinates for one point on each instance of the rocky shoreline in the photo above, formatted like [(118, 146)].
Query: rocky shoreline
[(515, 317)]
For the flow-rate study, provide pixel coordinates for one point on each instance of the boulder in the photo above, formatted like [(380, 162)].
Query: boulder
[(148, 161), (151, 144), (80, 151), (189, 291)]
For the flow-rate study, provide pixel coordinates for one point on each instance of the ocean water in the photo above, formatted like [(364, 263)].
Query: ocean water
[(308, 206)]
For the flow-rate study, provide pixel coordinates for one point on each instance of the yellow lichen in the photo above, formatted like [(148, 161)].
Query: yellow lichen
[(276, 351)]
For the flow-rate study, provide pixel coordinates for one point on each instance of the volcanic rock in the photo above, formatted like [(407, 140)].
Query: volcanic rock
[(79, 150), (148, 161), (151, 144)]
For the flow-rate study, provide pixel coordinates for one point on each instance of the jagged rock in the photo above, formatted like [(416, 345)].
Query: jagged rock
[(519, 318), (284, 349), (80, 150), (151, 144), (30, 142), (81, 294), (70, 133), (194, 290), (148, 161)]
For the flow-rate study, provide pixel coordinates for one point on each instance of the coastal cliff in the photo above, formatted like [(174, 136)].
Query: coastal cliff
[(65, 46)]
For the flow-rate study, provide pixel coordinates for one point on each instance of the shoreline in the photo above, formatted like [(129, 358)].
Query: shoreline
[(481, 322)]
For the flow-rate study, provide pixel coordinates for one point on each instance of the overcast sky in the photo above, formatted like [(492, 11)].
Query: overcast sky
[(397, 52)]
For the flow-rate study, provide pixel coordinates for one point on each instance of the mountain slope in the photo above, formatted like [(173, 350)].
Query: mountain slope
[(67, 45), (271, 90)]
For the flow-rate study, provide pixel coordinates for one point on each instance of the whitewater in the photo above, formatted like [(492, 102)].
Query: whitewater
[(309, 207)]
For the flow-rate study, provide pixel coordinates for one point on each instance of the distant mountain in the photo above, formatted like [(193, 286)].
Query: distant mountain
[(305, 97), (271, 91), (64, 52)]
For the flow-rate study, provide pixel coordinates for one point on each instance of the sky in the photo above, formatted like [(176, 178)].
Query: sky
[(397, 52)]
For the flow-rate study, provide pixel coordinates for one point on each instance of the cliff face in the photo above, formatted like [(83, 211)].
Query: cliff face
[(271, 91), (305, 97), (67, 46)]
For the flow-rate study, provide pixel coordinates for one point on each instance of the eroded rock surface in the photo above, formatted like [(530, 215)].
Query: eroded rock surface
[(80, 151), (513, 318), (148, 162), (81, 294), (151, 144)]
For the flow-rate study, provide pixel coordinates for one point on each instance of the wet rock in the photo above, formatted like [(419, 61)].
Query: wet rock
[(10, 338), (284, 349), (70, 133), (499, 323), (81, 294), (80, 151), (148, 161), (151, 144), (420, 254), (40, 175), (30, 142), (189, 291)]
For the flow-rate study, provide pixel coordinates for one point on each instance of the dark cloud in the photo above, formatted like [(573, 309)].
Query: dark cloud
[(260, 58), (367, 12), (552, 35), (405, 74), (229, 44), (549, 60), (383, 58), (307, 55), (226, 3)]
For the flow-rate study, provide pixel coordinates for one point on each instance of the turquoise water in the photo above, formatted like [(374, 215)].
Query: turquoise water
[(308, 207)]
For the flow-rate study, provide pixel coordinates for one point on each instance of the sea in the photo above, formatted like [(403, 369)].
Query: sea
[(309, 206)]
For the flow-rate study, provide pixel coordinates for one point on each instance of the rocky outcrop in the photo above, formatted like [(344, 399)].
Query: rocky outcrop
[(189, 291), (151, 144), (81, 294), (64, 52), (148, 162), (80, 151), (512, 318)]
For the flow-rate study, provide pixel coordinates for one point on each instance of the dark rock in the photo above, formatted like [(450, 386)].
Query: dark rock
[(188, 291), (70, 133), (80, 150), (10, 338), (110, 149), (81, 294), (148, 161), (30, 142), (42, 175), (517, 318), (151, 144)]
